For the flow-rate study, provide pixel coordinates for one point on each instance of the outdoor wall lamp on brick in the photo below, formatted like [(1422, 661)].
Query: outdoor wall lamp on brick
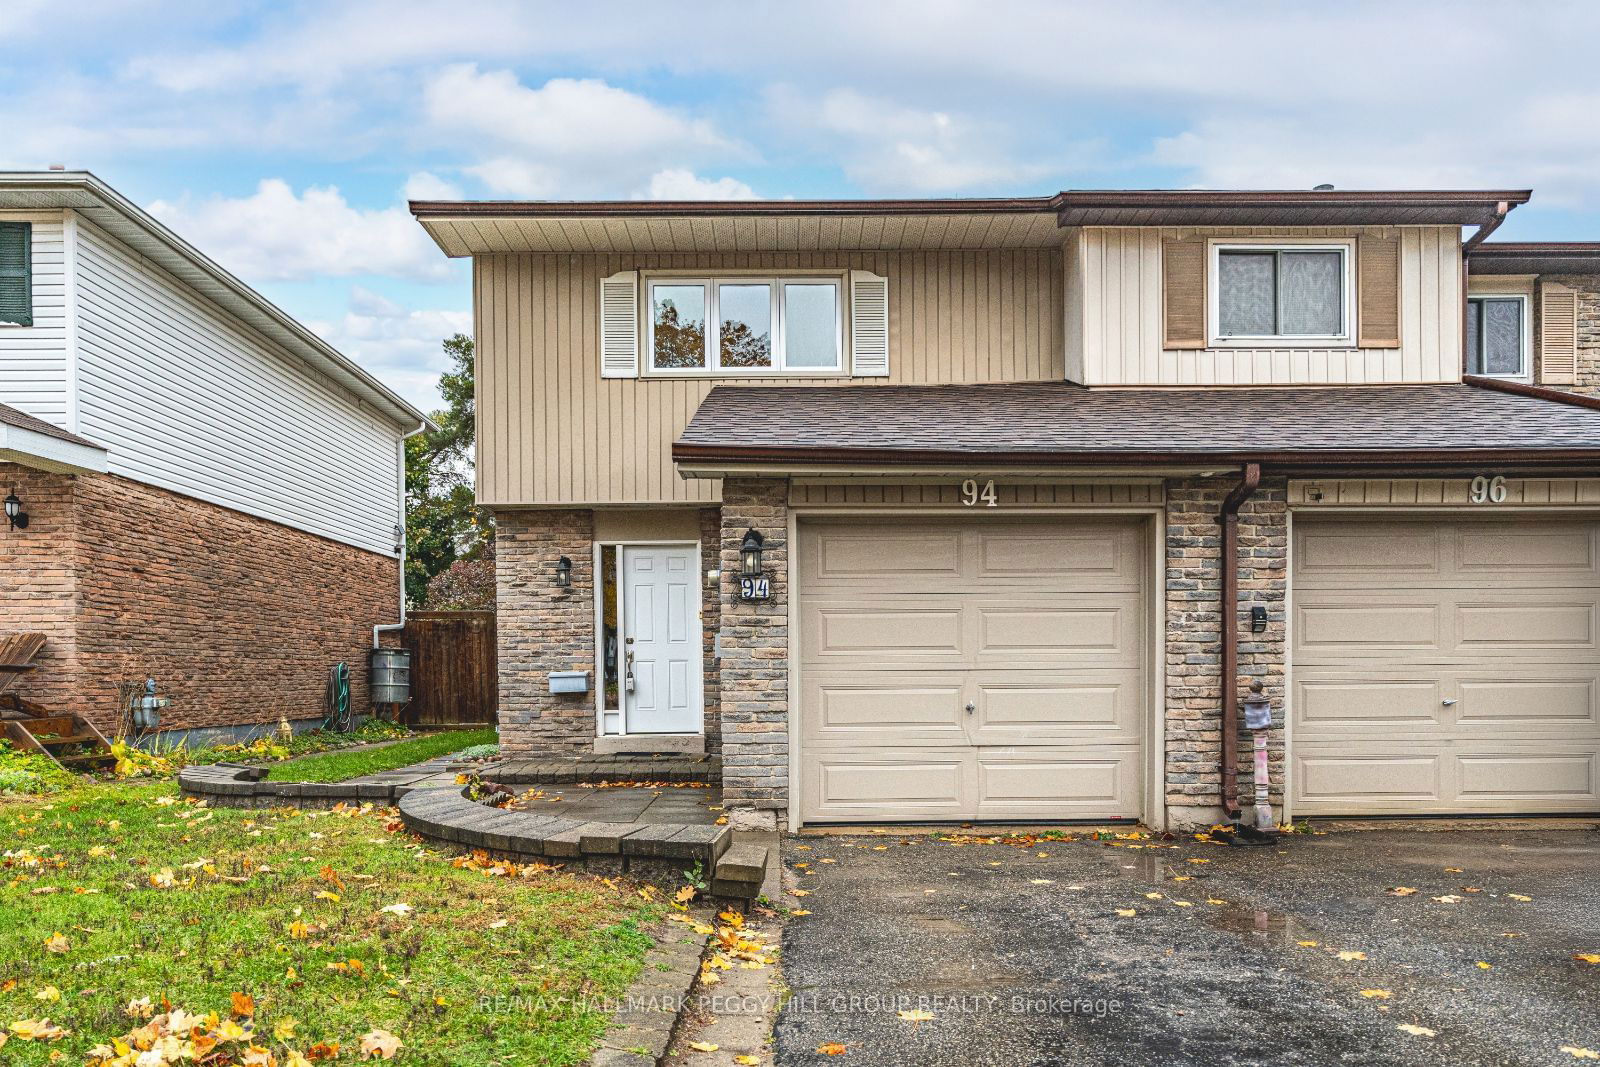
[(750, 555), (14, 513), (564, 573)]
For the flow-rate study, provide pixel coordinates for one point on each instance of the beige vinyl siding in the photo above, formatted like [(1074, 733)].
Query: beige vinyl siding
[(35, 363), (553, 432), (1443, 492), (948, 494), (1121, 339)]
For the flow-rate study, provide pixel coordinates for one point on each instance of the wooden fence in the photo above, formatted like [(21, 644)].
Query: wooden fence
[(453, 668)]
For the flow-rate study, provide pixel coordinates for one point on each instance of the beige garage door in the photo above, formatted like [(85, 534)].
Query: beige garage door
[(1446, 666), (978, 669)]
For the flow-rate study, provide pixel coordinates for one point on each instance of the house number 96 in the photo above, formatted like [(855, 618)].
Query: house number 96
[(972, 491), (1488, 490)]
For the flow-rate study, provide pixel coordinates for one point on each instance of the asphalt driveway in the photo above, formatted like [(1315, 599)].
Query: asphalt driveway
[(1021, 957)]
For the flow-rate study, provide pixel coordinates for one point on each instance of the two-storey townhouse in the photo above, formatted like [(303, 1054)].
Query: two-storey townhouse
[(213, 496), (993, 509)]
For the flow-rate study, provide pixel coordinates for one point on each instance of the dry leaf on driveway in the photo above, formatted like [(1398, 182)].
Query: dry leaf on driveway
[(704, 1046), (1580, 1053), (1400, 891), (1352, 955), (832, 1048), (1127, 913), (1376, 994), (916, 1015), (1588, 957)]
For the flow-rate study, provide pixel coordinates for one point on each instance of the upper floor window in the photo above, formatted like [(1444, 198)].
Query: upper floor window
[(16, 274), (1497, 336), (745, 323), (1297, 292)]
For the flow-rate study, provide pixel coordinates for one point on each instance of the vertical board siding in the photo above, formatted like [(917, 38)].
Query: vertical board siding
[(34, 370), (1119, 330), (553, 432), (184, 398)]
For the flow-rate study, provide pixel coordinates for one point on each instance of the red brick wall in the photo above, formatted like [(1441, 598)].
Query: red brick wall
[(38, 583), (237, 618)]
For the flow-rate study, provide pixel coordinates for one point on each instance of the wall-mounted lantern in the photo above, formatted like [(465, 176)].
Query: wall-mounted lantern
[(564, 573), (750, 555), (753, 581), (1258, 618), (14, 513)]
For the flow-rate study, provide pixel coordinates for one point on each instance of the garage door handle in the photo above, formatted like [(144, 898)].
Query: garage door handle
[(971, 708), (1450, 703)]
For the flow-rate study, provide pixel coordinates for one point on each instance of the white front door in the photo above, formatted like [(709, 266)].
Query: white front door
[(661, 650)]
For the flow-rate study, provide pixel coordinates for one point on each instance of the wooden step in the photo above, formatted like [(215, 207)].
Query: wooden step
[(50, 724), (50, 741), (102, 756)]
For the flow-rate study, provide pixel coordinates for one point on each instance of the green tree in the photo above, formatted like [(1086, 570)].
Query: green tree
[(443, 521)]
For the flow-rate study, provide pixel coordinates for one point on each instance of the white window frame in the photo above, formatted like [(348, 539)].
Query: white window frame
[(713, 284), (1526, 373), (1345, 338)]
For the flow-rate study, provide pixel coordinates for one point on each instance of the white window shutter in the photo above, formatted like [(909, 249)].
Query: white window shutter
[(619, 325), (1558, 334), (869, 325)]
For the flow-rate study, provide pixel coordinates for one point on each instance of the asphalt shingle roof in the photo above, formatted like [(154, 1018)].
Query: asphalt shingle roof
[(23, 421)]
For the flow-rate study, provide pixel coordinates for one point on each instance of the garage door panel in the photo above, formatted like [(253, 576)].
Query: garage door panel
[(1098, 782), (863, 707), (1041, 630), (888, 784), (1493, 707), (1045, 707)]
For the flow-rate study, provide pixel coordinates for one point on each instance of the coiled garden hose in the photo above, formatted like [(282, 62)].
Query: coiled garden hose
[(336, 701)]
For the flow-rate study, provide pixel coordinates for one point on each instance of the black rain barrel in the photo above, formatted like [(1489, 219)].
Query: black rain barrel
[(391, 675)]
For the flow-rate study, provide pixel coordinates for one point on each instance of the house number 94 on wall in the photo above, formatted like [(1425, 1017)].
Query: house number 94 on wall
[(974, 492), (1486, 490)]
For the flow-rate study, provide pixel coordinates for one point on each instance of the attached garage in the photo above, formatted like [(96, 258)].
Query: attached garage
[(1445, 665), (971, 668)]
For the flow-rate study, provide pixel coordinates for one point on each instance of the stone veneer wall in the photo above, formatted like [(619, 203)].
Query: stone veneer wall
[(544, 628), (755, 657), (237, 618), (711, 622), (1194, 638), (39, 581)]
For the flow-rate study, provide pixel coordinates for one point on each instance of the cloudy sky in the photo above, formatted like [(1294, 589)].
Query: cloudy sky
[(284, 138)]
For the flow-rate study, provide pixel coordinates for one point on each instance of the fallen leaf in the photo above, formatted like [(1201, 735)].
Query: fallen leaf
[(1518, 896), (1452, 870), (1215, 900), (747, 1061), (703, 1046), (401, 909), (1580, 1053), (139, 1009), (244, 1005), (1308, 944), (1349, 955), (379, 1043), (283, 1029), (833, 1048), (1041, 881), (323, 894), (37, 1030), (1484, 966), (1376, 994), (1400, 891), (1448, 898), (500, 924), (916, 1015), (684, 895), (1419, 1031), (1588, 957), (56, 943), (1127, 913), (799, 911)]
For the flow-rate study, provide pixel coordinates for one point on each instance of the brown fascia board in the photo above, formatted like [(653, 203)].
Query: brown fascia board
[(513, 209), (1305, 459), (1144, 207), (1535, 257)]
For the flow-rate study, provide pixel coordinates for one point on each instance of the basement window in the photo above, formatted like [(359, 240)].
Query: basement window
[(1263, 293), (1497, 336)]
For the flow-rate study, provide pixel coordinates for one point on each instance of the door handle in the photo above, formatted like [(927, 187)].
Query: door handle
[(1450, 703), (971, 707)]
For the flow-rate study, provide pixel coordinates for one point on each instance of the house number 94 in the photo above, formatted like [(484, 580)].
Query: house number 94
[(1487, 490), (973, 491)]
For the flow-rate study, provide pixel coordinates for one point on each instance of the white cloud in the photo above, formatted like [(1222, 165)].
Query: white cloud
[(398, 345), (577, 137), (680, 184), (425, 186), (276, 234)]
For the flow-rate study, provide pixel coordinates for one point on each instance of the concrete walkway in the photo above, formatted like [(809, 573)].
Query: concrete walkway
[(1083, 953)]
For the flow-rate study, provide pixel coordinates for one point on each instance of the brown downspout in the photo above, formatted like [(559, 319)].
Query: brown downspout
[(1228, 615)]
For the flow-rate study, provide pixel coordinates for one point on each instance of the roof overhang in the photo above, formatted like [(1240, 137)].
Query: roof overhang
[(1284, 207), (50, 452), (489, 227), (1546, 257), (95, 201)]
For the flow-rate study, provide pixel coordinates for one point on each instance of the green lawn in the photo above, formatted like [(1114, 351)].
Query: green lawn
[(339, 766), (155, 896)]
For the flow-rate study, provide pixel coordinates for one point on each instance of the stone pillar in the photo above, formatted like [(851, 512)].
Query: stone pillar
[(755, 658), (710, 623), (1194, 638), (544, 628)]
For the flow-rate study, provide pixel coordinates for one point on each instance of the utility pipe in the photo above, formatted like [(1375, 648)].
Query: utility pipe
[(1228, 617), (400, 475)]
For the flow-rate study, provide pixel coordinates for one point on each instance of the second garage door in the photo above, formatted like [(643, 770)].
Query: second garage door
[(972, 669), (1446, 666)]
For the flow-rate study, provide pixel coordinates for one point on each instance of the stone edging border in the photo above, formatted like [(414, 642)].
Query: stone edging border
[(651, 1007), (243, 785)]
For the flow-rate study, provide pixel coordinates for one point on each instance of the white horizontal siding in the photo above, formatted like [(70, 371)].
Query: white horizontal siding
[(184, 398), (1118, 333), (33, 359)]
